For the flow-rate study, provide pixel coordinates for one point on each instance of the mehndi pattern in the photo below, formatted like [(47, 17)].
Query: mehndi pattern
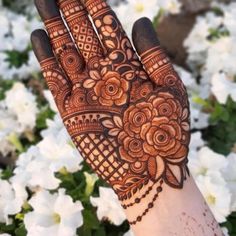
[(129, 120)]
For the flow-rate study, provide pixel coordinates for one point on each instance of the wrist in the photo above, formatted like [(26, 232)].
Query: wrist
[(174, 212)]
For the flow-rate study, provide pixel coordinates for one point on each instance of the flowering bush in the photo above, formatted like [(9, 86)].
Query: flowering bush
[(47, 189)]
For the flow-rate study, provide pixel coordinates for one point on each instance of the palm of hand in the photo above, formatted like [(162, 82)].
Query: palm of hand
[(130, 125)]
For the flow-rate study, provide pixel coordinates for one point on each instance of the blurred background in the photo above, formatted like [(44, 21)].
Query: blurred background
[(39, 166)]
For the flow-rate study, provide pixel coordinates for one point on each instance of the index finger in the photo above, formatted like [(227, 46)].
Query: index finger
[(108, 26)]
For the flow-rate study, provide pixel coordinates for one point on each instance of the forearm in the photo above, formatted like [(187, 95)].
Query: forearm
[(175, 212)]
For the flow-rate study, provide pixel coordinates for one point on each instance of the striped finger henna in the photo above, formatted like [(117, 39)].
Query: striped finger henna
[(127, 112)]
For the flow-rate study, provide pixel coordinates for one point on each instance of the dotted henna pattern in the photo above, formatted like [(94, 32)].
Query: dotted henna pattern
[(129, 120)]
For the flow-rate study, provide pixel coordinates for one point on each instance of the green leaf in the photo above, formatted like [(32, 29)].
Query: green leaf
[(221, 134), (100, 232), (90, 219), (17, 59), (21, 231), (45, 113), (6, 228), (7, 173)]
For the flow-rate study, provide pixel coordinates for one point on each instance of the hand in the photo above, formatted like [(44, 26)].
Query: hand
[(129, 118)]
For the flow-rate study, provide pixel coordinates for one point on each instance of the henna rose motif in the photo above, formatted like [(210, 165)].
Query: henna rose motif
[(138, 115), (166, 105), (163, 138), (153, 133), (112, 89), (132, 150)]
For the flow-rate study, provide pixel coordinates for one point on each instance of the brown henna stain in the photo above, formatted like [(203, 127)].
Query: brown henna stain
[(130, 137)]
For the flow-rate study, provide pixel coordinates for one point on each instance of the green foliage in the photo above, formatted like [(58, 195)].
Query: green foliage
[(217, 33), (16, 58), (7, 173), (221, 134), (17, 228), (4, 86), (231, 224), (44, 114), (217, 11)]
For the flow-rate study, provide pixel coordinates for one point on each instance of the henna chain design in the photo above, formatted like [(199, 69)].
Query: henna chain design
[(150, 205), (139, 199), (131, 125)]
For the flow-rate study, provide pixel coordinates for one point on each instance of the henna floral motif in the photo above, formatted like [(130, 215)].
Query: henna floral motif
[(152, 133), (129, 123), (112, 89)]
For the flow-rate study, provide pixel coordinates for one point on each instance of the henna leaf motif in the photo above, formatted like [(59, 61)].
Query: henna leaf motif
[(108, 123), (89, 83), (118, 122), (110, 44)]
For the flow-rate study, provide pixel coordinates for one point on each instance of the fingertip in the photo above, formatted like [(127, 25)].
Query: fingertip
[(41, 45), (47, 9), (144, 35)]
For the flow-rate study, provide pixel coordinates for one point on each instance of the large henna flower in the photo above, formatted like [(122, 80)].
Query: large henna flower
[(112, 89), (138, 115), (162, 137), (166, 105), (153, 134), (133, 150)]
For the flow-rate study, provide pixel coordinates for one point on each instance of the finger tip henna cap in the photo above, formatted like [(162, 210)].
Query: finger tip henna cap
[(41, 45), (47, 9), (144, 35)]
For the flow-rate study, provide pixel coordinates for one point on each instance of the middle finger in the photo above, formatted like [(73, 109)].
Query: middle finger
[(81, 28)]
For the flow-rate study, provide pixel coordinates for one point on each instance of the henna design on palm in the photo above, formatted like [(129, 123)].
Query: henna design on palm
[(129, 120)]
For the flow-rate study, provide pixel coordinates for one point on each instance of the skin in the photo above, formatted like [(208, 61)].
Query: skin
[(165, 199)]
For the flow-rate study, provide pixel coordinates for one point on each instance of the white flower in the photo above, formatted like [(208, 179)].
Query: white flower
[(12, 197), (225, 231), (19, 33), (170, 6), (199, 119), (22, 103), (129, 233), (206, 161), (229, 174), (29, 169), (197, 40), (49, 97), (226, 48), (187, 78), (108, 206), (131, 11), (4, 26), (56, 128), (8, 127), (60, 153), (196, 141), (20, 29), (195, 144), (197, 43), (53, 214), (222, 88), (229, 18), (216, 194)]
